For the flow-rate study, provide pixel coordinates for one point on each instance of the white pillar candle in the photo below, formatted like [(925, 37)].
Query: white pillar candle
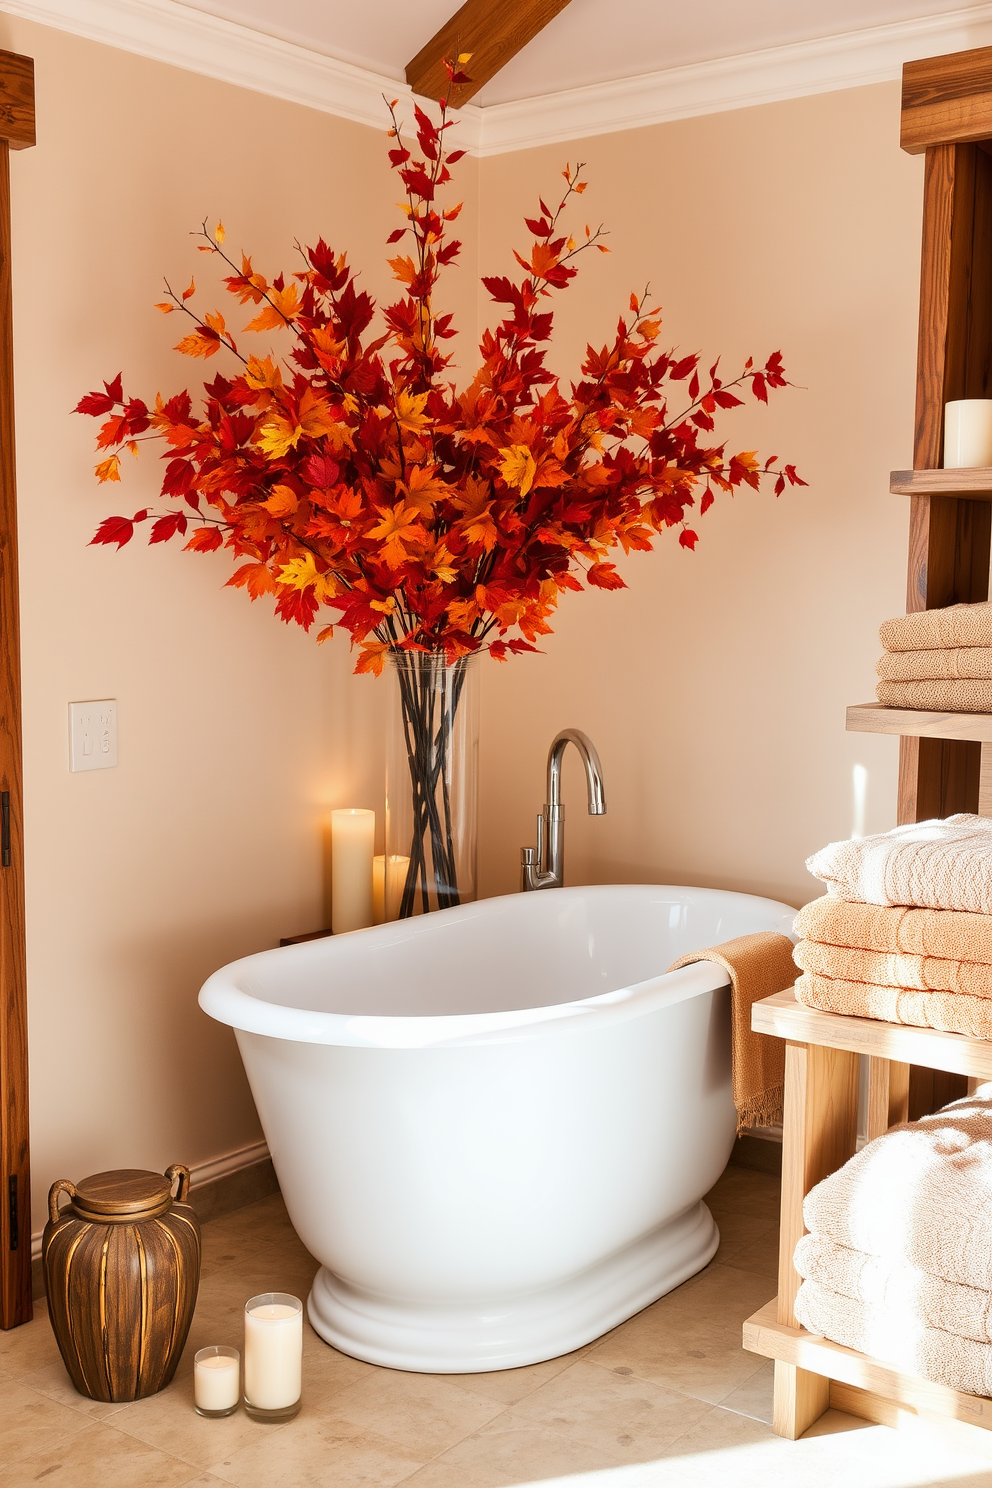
[(216, 1380), (352, 844), (968, 433), (273, 1353)]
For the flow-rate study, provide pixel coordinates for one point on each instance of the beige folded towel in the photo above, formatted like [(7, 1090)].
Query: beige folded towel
[(921, 1195), (940, 864), (902, 1289), (932, 630), (937, 697), (936, 666), (951, 1012), (758, 965), (896, 1338), (914, 973), (948, 934)]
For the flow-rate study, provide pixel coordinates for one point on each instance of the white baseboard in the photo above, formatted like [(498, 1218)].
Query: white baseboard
[(200, 1174)]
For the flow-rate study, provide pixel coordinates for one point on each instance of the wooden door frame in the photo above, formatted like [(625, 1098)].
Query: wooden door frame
[(16, 132)]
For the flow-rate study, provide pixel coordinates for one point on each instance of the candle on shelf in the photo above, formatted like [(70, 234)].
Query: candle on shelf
[(968, 433), (273, 1356), (352, 844), (386, 895), (216, 1380)]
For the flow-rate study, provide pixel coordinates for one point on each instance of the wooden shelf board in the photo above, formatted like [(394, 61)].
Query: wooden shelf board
[(876, 718), (973, 484), (764, 1335), (786, 1018)]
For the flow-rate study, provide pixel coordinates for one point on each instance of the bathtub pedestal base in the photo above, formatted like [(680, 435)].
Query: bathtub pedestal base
[(508, 1332)]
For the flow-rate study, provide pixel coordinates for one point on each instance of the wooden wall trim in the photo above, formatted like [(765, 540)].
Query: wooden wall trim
[(947, 100)]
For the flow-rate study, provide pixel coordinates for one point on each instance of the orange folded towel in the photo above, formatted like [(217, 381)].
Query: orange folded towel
[(936, 666), (933, 630), (914, 973), (950, 934), (937, 697), (758, 966), (951, 1012)]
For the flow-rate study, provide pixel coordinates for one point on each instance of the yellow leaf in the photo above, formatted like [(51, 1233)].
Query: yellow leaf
[(220, 234), (410, 410), (464, 57), (301, 573), (282, 503), (261, 372), (109, 469), (518, 467), (283, 308), (278, 434)]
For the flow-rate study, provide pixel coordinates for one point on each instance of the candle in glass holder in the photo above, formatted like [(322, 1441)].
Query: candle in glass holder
[(216, 1380), (273, 1356), (352, 844), (387, 886), (968, 433)]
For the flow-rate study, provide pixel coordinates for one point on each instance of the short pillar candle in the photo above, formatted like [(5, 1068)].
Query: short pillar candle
[(968, 433), (273, 1356), (216, 1380), (352, 846)]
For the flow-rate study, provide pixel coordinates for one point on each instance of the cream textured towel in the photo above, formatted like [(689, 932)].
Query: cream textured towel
[(758, 966), (899, 1339), (904, 1290), (947, 934), (940, 864), (916, 973), (936, 666), (933, 630), (921, 1195), (951, 1012), (937, 697)]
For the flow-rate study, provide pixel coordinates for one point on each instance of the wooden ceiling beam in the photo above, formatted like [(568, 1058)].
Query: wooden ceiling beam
[(492, 30)]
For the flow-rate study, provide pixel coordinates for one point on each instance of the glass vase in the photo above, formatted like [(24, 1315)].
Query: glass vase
[(432, 783)]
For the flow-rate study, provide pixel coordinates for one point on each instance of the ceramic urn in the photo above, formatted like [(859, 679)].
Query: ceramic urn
[(122, 1266)]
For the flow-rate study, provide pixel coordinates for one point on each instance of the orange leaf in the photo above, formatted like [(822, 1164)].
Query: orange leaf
[(282, 503), (109, 469), (373, 657), (255, 577)]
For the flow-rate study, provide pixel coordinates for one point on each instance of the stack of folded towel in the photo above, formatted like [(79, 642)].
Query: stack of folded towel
[(938, 659), (905, 933), (898, 1261)]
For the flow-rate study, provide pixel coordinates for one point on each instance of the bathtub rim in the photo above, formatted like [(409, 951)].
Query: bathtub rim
[(225, 1001)]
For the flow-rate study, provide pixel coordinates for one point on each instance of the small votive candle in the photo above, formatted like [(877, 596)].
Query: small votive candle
[(352, 846), (968, 433), (216, 1380), (273, 1356)]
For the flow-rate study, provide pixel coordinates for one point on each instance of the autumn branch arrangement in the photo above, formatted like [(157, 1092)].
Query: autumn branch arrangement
[(359, 488)]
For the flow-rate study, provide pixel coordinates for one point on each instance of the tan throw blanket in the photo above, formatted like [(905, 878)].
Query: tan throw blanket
[(896, 1338), (758, 966), (936, 666), (937, 697), (940, 864), (879, 1283), (915, 973), (933, 630), (947, 934), (920, 1195), (951, 1012)]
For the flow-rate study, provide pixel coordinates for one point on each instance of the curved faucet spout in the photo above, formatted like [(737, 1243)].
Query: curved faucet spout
[(543, 867)]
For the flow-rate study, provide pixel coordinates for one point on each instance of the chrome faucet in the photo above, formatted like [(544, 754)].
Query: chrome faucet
[(543, 866)]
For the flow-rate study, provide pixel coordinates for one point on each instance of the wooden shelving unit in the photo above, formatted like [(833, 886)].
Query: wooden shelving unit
[(945, 763)]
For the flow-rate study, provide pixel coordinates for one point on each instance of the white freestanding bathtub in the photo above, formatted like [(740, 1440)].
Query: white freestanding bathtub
[(494, 1125)]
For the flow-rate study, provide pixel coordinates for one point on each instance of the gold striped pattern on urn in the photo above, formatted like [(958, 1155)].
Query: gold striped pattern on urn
[(122, 1267)]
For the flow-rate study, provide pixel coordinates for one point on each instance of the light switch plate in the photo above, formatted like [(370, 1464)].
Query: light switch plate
[(93, 735)]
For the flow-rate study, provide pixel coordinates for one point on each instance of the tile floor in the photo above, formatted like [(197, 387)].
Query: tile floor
[(667, 1400)]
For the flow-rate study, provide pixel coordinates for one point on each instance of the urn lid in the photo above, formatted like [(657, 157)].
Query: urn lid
[(123, 1193)]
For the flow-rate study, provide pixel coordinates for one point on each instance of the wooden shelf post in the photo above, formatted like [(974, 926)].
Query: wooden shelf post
[(16, 132)]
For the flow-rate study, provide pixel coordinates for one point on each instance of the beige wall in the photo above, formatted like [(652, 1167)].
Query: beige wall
[(237, 734), (714, 687)]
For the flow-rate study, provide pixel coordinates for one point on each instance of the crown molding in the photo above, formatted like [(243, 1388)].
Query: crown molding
[(169, 31)]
